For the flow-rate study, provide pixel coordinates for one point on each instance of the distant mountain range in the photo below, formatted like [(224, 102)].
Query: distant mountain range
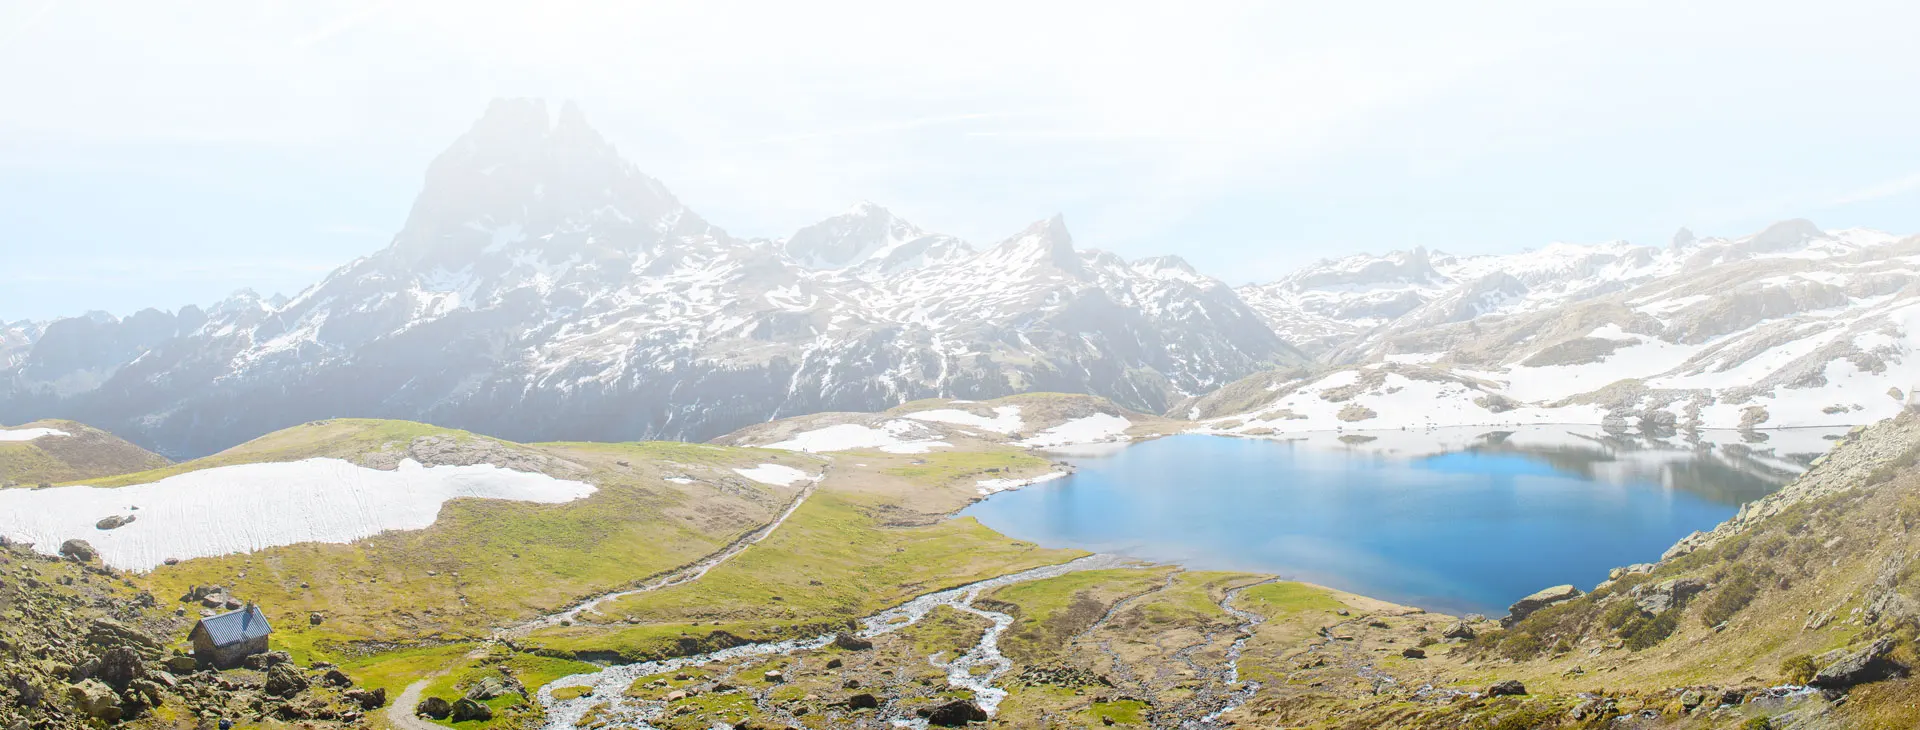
[(543, 288), (1789, 327)]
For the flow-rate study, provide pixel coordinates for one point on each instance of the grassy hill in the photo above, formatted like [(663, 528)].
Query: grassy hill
[(85, 453)]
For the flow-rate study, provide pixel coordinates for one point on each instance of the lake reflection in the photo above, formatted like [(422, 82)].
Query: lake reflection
[(1473, 527)]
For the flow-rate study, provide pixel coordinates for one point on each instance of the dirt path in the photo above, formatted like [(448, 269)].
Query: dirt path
[(400, 712), (677, 576)]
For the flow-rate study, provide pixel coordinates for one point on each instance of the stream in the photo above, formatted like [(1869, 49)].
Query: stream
[(610, 684)]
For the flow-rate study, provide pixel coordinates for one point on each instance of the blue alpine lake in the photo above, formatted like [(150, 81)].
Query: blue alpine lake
[(1468, 530)]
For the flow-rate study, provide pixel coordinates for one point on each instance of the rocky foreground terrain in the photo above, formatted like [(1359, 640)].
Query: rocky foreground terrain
[(84, 646)]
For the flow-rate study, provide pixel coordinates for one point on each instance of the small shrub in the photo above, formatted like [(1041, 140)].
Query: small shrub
[(1645, 631), (1520, 647), (1757, 723), (1618, 614), (1798, 669), (1739, 589)]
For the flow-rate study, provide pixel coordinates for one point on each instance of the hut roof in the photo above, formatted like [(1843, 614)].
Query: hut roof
[(235, 627)]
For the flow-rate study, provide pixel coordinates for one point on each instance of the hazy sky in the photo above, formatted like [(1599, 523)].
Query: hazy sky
[(156, 154)]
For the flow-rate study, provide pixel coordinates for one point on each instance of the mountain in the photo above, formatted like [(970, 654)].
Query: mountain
[(543, 288), (871, 240), (16, 340), (1789, 327)]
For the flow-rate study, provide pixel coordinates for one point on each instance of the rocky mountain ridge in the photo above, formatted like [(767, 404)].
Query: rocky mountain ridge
[(1787, 328)]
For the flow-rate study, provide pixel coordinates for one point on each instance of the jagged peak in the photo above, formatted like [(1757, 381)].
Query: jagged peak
[(1786, 234), (1046, 241)]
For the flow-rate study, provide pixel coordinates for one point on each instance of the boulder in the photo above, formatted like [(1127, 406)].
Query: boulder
[(1507, 688), (120, 667), (468, 709), (369, 699), (835, 663), (336, 678), (956, 714), (1660, 597), (107, 633), (862, 701), (95, 700), (79, 551), (283, 680), (850, 642), (1869, 664), (775, 676), (1527, 606), (486, 689), (1413, 653), (182, 664), (1458, 630), (433, 707), (114, 522)]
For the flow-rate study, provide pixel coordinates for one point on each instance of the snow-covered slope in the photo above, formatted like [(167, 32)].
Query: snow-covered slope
[(1790, 327), (543, 288)]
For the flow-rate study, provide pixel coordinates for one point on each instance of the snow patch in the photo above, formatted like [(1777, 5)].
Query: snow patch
[(775, 474), (849, 436), (29, 434), (243, 508), (994, 486), (1006, 419), (1091, 429)]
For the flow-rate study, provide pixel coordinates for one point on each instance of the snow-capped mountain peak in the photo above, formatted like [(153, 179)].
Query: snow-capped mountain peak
[(1045, 243), (544, 288), (871, 239)]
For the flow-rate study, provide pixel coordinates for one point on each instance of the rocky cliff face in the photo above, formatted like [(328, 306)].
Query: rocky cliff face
[(544, 288)]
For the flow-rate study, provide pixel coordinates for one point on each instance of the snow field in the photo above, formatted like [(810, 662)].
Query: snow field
[(243, 508)]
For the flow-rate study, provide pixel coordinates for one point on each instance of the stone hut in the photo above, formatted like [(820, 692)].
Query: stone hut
[(228, 639)]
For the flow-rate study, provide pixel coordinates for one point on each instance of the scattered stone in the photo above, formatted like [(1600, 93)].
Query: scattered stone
[(337, 678), (468, 709), (95, 700), (834, 663), (283, 680), (487, 689), (955, 714), (120, 667), (434, 707), (1507, 688), (1413, 653), (1660, 597), (862, 701), (369, 699), (775, 676), (1526, 606), (78, 551), (315, 619), (1459, 630), (114, 522), (850, 642), (1869, 664), (182, 664)]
